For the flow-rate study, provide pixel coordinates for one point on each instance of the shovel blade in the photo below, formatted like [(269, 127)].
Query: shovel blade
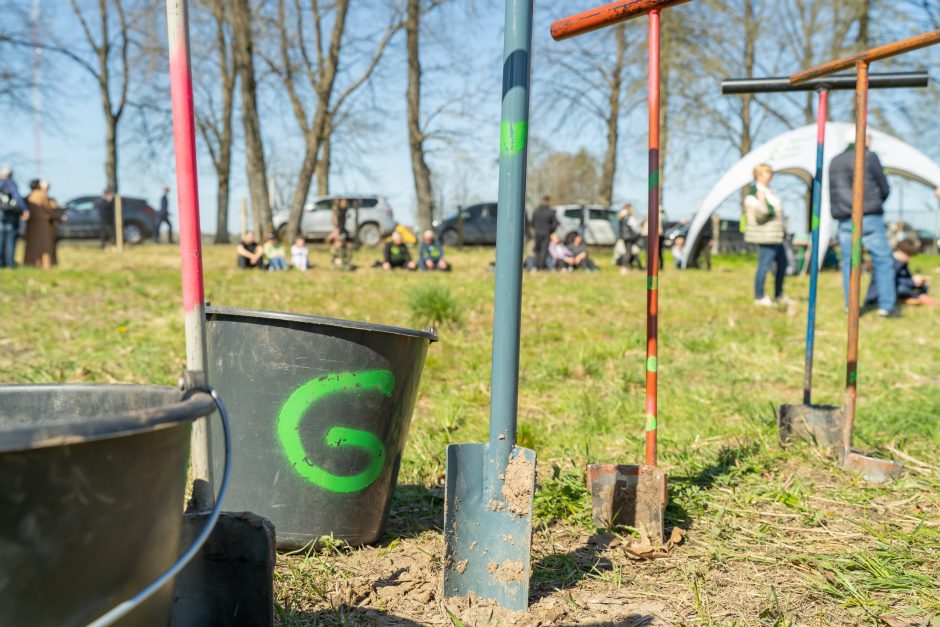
[(488, 525), (820, 424), (629, 495), (871, 468)]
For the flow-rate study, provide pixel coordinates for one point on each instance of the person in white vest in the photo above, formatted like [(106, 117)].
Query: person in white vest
[(763, 213)]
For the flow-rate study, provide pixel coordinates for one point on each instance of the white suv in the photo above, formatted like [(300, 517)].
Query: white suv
[(376, 219), (601, 228)]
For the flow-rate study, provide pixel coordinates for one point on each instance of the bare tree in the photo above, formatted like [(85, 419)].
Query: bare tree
[(104, 53), (422, 173), (214, 119), (243, 56), (567, 177), (303, 70), (601, 77)]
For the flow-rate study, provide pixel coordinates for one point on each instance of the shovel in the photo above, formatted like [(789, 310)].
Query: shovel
[(489, 487), (870, 468), (621, 494), (231, 581), (821, 424)]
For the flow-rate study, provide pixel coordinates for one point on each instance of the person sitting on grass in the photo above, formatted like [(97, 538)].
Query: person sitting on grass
[(274, 254), (396, 254), (249, 253), (579, 253), (559, 257), (299, 255), (431, 253), (911, 288), (341, 251)]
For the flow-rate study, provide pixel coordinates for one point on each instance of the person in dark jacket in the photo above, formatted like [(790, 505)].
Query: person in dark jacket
[(544, 223), (874, 233), (13, 208), (163, 217), (106, 213), (397, 255)]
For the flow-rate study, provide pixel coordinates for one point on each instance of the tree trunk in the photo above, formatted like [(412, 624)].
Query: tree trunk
[(255, 168), (111, 151), (422, 173), (323, 163), (609, 171), (221, 229)]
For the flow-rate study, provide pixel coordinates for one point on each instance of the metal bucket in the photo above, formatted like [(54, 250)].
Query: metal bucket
[(319, 410), (92, 481), (819, 424)]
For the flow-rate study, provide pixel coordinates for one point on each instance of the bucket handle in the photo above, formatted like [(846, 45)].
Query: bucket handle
[(122, 609)]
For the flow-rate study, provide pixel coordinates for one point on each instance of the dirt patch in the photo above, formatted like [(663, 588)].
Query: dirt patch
[(519, 484), (507, 572), (461, 566)]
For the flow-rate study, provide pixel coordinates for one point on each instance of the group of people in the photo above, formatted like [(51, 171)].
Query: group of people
[(764, 225), (38, 211), (395, 255), (549, 252)]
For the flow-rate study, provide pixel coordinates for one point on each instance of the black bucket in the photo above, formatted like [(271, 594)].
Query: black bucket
[(319, 411), (92, 481)]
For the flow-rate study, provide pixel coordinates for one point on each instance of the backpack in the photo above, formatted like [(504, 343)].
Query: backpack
[(8, 203)]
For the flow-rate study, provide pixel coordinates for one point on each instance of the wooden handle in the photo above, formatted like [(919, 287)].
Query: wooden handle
[(875, 54), (606, 15)]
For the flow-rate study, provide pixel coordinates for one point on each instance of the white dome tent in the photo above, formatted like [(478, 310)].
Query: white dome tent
[(794, 152)]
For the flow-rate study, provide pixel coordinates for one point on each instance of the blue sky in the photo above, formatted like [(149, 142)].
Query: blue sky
[(73, 153)]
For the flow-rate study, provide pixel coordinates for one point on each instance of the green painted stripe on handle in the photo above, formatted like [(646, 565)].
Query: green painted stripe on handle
[(650, 422), (654, 179), (651, 363), (512, 136), (652, 282)]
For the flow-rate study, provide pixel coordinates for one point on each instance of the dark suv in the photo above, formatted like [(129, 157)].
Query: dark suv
[(475, 224), (83, 220)]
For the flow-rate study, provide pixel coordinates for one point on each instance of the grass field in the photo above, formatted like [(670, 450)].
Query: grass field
[(772, 536)]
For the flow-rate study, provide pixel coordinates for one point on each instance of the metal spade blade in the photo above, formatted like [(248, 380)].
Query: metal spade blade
[(488, 524)]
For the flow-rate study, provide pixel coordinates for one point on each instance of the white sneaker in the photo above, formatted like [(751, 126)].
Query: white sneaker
[(786, 300), (764, 302)]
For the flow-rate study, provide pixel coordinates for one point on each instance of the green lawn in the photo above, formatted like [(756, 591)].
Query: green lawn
[(773, 536)]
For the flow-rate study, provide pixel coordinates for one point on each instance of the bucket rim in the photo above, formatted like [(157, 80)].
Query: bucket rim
[(185, 408), (236, 312)]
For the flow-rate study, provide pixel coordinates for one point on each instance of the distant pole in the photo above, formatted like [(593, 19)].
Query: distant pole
[(37, 89), (244, 215), (119, 223)]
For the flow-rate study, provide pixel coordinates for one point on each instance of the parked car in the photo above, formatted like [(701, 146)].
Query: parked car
[(376, 219), (477, 224), (673, 231), (601, 229), (82, 220)]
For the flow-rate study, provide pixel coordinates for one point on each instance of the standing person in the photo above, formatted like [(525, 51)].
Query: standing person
[(13, 208), (629, 234), (340, 212), (582, 217), (40, 227), (874, 234), (544, 223), (163, 217), (106, 213), (764, 214)]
